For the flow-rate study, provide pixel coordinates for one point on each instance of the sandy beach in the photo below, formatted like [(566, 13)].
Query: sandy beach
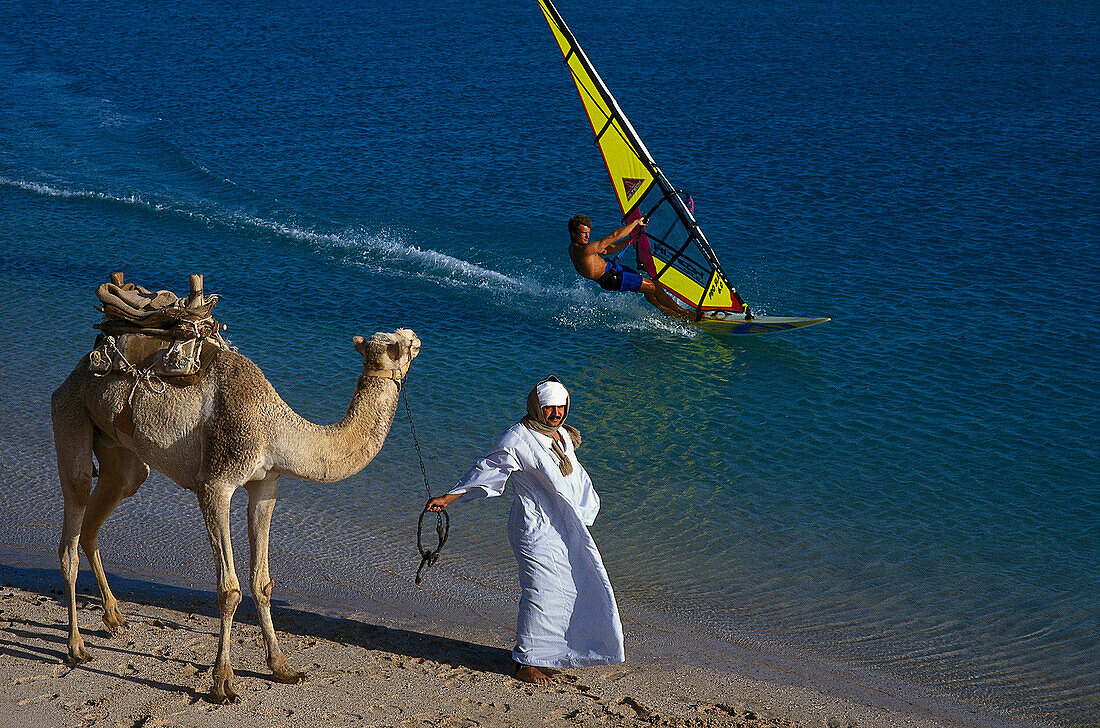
[(363, 670)]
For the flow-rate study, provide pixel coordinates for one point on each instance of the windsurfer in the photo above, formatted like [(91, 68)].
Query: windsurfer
[(587, 256)]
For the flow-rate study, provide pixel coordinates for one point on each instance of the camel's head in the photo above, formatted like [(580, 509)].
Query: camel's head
[(388, 355)]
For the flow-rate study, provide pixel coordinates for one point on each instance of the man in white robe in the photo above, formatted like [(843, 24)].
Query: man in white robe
[(567, 611)]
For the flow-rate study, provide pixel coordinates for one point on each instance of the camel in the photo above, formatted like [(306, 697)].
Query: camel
[(229, 429)]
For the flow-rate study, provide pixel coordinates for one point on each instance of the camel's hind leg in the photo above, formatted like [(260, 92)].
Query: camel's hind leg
[(261, 504), (121, 473), (72, 434)]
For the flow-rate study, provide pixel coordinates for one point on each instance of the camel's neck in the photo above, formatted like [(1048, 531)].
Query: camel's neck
[(334, 452)]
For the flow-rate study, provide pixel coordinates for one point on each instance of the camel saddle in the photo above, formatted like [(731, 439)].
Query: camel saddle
[(147, 333), (179, 363)]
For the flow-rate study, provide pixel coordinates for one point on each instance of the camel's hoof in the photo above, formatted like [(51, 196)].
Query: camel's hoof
[(78, 655), (288, 677), (116, 624), (222, 696)]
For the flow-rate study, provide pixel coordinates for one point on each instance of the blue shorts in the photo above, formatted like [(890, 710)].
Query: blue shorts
[(619, 278)]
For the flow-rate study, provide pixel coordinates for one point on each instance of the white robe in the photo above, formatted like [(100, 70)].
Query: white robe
[(567, 611)]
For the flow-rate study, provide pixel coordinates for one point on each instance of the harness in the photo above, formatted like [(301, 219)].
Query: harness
[(397, 374), (156, 338)]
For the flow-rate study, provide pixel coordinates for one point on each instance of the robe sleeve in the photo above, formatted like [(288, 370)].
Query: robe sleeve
[(587, 503), (487, 477)]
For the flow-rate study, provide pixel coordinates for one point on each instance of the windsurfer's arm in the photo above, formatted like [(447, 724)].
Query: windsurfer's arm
[(613, 243)]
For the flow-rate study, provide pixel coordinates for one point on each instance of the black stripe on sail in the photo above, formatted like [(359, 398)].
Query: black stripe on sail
[(606, 126), (677, 255), (706, 289)]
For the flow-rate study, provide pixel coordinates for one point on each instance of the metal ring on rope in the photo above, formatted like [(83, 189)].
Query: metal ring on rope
[(442, 528)]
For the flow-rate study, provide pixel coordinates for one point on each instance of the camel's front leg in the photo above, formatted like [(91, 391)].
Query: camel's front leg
[(261, 505), (214, 501)]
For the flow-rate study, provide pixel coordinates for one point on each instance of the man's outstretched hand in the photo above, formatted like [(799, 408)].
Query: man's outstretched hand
[(435, 505)]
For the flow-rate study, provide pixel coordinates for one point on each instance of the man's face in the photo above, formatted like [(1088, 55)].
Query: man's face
[(554, 415), (581, 237)]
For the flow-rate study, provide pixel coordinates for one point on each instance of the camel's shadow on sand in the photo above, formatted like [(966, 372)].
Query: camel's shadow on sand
[(188, 602)]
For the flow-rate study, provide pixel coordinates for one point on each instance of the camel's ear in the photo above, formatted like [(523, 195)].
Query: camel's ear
[(360, 345), (395, 350)]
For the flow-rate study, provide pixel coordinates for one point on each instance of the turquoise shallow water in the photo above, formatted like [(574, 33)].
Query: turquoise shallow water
[(911, 488)]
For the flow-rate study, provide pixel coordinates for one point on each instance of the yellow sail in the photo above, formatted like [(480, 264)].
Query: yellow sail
[(629, 175)]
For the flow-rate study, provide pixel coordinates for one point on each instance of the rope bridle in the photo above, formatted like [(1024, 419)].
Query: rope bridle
[(443, 520), (397, 375)]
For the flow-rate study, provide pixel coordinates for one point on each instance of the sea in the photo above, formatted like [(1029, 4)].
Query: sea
[(908, 494)]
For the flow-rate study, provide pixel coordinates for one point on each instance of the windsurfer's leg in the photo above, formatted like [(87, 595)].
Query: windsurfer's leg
[(662, 301)]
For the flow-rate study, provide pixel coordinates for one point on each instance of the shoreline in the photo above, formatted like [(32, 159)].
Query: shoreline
[(417, 667)]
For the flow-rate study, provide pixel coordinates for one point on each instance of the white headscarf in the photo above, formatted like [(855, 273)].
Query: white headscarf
[(551, 393)]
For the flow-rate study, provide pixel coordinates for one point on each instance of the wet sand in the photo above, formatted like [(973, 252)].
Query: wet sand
[(366, 670)]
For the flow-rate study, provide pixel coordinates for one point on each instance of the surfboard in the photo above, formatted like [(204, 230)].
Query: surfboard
[(671, 248), (736, 325)]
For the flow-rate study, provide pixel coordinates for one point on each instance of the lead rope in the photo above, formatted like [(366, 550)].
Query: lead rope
[(443, 520)]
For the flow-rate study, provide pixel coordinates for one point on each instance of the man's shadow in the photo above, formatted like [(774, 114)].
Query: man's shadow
[(47, 642)]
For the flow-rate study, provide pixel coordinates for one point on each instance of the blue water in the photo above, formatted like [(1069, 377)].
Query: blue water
[(912, 488)]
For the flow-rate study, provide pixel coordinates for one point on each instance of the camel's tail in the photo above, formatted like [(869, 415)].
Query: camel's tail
[(73, 433)]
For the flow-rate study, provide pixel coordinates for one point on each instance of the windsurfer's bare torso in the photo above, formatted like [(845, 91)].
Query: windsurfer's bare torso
[(587, 255)]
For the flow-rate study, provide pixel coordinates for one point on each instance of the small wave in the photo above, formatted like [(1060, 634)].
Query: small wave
[(46, 190), (133, 199), (381, 250), (387, 252), (583, 306)]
